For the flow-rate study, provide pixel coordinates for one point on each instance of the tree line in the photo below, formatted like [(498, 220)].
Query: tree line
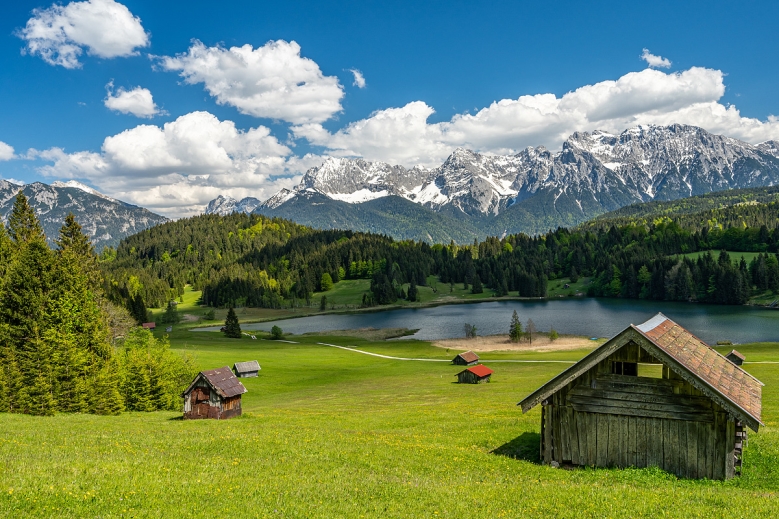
[(252, 260), (64, 346)]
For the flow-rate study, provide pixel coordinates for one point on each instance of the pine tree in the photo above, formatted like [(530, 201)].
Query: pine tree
[(232, 327), (106, 396), (515, 328), (477, 287), (171, 316), (413, 292), (23, 225)]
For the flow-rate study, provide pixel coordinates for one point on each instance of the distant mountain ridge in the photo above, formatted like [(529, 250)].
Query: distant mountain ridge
[(105, 220), (537, 190)]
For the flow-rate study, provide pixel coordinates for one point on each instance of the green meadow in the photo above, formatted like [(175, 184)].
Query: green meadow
[(328, 432)]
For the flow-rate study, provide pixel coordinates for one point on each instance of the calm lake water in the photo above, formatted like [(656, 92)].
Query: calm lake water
[(588, 316)]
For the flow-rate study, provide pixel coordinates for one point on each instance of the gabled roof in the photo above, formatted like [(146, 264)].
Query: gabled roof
[(246, 367), (736, 354), (685, 354), (479, 370), (468, 356), (221, 380)]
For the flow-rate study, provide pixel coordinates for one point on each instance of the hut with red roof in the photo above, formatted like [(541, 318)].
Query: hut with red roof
[(688, 415), (215, 393), (474, 375)]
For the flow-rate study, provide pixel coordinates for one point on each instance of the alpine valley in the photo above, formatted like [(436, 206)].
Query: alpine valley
[(103, 219), (473, 195)]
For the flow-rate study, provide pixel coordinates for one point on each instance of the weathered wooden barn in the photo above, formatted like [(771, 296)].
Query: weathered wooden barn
[(246, 369), (215, 393), (690, 418), (474, 375), (468, 358)]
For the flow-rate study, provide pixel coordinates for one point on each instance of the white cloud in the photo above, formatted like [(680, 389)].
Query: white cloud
[(138, 101), (359, 79), (271, 81), (403, 136), (6, 152), (106, 29), (655, 61), (177, 168)]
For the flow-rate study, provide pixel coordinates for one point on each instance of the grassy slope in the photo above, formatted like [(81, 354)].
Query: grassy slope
[(332, 433)]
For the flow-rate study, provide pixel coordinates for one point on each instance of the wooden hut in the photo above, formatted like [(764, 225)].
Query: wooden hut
[(690, 418), (149, 326), (474, 375), (735, 357), (215, 393), (246, 369), (468, 358)]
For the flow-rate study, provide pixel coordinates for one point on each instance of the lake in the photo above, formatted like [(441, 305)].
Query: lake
[(586, 316)]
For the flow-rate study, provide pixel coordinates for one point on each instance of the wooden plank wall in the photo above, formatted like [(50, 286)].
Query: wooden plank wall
[(609, 420)]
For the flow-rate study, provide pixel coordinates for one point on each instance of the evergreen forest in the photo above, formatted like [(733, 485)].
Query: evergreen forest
[(64, 346), (253, 260)]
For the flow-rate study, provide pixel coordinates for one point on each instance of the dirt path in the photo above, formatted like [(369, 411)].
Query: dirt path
[(541, 343), (438, 360)]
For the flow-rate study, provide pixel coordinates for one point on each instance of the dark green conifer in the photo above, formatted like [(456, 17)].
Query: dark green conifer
[(23, 225), (232, 327)]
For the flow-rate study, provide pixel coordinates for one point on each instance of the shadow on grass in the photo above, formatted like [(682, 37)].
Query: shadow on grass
[(524, 447)]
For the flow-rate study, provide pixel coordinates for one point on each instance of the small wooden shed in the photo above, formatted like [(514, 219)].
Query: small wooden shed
[(215, 393), (246, 369), (149, 326), (735, 357), (468, 358), (474, 375), (687, 416)]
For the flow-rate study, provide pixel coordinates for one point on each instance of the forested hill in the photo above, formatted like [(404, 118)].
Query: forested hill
[(253, 260), (722, 209)]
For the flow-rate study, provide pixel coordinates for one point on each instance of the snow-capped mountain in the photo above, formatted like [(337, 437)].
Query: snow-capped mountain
[(105, 220), (593, 173), (224, 205)]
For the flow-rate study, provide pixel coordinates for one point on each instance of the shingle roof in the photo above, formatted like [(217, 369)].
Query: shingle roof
[(469, 356), (222, 380), (479, 370), (706, 363), (736, 354), (246, 367), (718, 378)]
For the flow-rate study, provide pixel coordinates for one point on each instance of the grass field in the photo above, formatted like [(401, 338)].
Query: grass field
[(334, 433), (735, 257)]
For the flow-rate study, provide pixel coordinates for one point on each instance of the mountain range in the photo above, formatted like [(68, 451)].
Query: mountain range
[(105, 220), (476, 195)]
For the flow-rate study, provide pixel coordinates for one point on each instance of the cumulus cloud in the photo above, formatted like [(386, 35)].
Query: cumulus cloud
[(272, 81), (359, 79), (138, 101), (177, 168), (655, 61), (403, 135), (6, 152), (59, 34)]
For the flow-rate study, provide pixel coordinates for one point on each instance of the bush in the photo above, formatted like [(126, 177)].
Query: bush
[(553, 335), (276, 333), (470, 331), (210, 315), (171, 315), (323, 304)]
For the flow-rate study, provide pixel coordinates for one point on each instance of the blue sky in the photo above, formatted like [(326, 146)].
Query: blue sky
[(437, 75)]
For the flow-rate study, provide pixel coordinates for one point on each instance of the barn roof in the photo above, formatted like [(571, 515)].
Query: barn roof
[(736, 354), (469, 356), (685, 354), (221, 380), (479, 370), (246, 367)]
